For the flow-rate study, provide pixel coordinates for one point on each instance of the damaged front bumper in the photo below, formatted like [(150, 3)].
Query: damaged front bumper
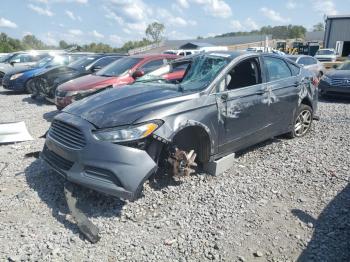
[(112, 169)]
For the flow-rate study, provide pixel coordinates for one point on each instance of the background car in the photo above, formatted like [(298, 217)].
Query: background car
[(336, 81), (121, 72), (45, 84), (21, 60), (326, 55), (309, 63), (20, 79)]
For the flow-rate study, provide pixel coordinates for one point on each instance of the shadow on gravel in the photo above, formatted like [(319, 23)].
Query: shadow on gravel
[(49, 187), (38, 102), (161, 180), (255, 147), (335, 99), (10, 92), (331, 238)]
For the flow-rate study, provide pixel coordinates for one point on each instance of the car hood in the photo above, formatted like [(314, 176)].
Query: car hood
[(118, 107), (87, 82), (338, 74)]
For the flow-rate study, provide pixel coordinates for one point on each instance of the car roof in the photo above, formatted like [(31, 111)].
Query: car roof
[(145, 56)]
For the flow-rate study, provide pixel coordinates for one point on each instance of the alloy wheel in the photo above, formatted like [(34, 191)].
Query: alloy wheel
[(303, 123)]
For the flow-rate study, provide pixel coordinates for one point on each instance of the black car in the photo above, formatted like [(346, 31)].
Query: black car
[(227, 101), (336, 82), (45, 83)]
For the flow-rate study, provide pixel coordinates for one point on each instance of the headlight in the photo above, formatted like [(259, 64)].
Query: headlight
[(326, 79), (124, 134), (15, 76)]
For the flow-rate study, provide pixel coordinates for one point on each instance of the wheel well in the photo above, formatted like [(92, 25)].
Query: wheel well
[(307, 102), (194, 138)]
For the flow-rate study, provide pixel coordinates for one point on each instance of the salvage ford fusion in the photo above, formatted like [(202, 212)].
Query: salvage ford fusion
[(115, 140)]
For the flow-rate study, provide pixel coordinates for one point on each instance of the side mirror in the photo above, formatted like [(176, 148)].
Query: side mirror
[(137, 74), (95, 68), (12, 63), (302, 65), (334, 66)]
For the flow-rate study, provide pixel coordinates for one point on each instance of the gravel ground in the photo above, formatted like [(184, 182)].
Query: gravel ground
[(283, 200)]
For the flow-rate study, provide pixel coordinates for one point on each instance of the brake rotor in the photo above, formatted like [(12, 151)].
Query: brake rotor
[(182, 162)]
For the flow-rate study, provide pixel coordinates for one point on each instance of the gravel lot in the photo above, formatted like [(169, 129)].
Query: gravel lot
[(283, 200)]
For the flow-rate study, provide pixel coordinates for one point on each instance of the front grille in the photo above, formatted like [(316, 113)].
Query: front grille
[(102, 175), (5, 79), (340, 82), (67, 135), (56, 161)]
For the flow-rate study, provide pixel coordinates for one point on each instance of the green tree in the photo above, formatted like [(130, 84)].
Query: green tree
[(155, 31), (318, 27), (63, 44), (31, 42)]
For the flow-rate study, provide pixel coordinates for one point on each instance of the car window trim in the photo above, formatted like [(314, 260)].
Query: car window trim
[(211, 88)]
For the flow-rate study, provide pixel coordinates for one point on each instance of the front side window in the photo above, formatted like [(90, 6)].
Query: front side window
[(276, 68), (245, 73)]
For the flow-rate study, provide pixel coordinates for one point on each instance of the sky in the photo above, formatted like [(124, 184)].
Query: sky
[(116, 21)]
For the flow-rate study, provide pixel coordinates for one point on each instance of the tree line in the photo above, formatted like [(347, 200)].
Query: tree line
[(278, 32), (154, 33)]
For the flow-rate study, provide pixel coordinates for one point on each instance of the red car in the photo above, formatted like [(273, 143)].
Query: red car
[(121, 72)]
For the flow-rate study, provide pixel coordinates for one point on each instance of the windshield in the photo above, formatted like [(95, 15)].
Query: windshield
[(43, 61), (5, 58), (325, 52), (203, 70), (119, 67), (83, 62), (344, 66), (293, 58)]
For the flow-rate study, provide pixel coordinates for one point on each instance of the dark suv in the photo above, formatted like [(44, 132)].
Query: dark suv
[(227, 101)]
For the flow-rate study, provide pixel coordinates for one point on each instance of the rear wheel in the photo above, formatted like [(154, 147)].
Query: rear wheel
[(302, 122)]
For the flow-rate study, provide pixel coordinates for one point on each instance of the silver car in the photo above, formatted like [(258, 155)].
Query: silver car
[(310, 63)]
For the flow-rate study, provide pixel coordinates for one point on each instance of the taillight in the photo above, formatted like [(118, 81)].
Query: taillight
[(315, 81)]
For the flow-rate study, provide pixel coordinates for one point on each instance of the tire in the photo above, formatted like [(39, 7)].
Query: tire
[(29, 85), (302, 122)]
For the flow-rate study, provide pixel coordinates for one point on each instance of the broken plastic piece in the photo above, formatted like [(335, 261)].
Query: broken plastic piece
[(89, 230), (14, 132)]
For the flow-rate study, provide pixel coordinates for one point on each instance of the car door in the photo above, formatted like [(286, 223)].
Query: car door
[(242, 119), (281, 92)]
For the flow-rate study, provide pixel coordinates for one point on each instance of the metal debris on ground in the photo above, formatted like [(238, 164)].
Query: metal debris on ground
[(89, 230)]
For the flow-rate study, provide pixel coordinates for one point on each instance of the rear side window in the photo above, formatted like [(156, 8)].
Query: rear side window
[(276, 68), (153, 65)]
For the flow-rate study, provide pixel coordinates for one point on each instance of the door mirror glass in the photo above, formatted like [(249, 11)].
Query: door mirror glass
[(95, 68)]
